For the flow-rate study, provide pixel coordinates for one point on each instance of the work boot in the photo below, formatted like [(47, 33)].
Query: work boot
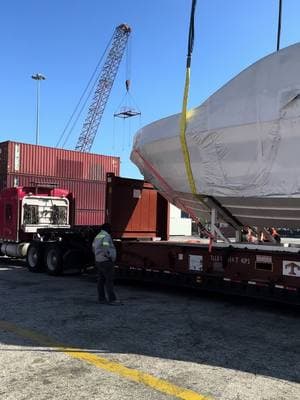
[(115, 303)]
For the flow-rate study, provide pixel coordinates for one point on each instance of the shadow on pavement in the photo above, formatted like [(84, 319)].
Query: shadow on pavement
[(240, 334)]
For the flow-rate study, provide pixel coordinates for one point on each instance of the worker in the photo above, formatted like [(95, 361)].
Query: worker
[(251, 237), (264, 237), (275, 234), (105, 257)]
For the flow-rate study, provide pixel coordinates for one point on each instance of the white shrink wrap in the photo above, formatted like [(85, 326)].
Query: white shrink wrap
[(244, 147)]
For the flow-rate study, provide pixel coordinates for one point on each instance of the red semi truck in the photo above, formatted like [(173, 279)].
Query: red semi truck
[(37, 223)]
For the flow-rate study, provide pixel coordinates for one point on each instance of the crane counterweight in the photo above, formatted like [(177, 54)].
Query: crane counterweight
[(126, 28)]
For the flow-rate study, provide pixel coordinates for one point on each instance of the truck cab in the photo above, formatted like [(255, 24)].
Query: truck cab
[(24, 210)]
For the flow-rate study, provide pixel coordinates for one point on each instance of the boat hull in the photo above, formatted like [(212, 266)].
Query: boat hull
[(243, 146)]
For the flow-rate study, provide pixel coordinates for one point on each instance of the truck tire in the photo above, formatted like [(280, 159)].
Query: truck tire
[(54, 260), (35, 258)]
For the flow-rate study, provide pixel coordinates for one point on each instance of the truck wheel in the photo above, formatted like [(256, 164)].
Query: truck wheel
[(54, 260), (34, 258)]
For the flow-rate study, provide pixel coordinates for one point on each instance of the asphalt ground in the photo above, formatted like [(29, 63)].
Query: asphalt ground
[(57, 342)]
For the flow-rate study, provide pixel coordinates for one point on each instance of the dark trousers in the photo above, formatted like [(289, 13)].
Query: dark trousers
[(105, 282)]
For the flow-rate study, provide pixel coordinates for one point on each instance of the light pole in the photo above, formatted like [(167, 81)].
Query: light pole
[(37, 78)]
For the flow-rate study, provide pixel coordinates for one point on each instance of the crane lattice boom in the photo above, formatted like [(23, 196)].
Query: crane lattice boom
[(105, 83)]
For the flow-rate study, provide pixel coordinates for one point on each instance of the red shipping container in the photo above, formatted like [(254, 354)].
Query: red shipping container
[(82, 174), (22, 158)]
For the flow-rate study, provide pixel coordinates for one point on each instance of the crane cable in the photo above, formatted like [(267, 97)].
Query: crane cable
[(127, 100), (81, 98), (279, 25)]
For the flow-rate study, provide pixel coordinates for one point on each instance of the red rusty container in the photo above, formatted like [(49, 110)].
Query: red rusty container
[(82, 174), (135, 209)]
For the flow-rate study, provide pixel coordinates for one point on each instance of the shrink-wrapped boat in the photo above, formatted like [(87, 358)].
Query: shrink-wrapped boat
[(243, 146)]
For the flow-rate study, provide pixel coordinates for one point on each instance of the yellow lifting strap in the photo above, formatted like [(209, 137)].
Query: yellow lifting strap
[(184, 147), (183, 119), (184, 113)]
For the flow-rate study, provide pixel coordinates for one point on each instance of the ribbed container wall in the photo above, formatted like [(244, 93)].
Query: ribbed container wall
[(142, 213), (82, 174), (4, 158), (48, 161)]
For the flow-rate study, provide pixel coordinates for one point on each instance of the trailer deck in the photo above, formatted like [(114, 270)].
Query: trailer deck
[(271, 272)]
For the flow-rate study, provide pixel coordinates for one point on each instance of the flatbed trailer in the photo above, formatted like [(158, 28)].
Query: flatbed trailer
[(267, 272)]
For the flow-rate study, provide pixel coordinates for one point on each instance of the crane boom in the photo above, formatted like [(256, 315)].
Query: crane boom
[(105, 83)]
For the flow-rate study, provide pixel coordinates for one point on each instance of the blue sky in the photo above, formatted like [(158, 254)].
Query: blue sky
[(65, 39)]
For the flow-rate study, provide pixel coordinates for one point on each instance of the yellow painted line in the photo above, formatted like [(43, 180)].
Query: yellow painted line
[(107, 365)]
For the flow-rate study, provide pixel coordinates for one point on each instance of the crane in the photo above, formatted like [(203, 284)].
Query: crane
[(105, 83)]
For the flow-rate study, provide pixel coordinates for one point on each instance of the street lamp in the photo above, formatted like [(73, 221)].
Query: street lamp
[(37, 78)]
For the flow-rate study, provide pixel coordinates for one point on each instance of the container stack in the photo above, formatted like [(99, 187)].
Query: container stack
[(83, 174)]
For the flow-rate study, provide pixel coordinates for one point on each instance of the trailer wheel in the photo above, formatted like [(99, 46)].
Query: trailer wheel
[(54, 260), (34, 258)]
